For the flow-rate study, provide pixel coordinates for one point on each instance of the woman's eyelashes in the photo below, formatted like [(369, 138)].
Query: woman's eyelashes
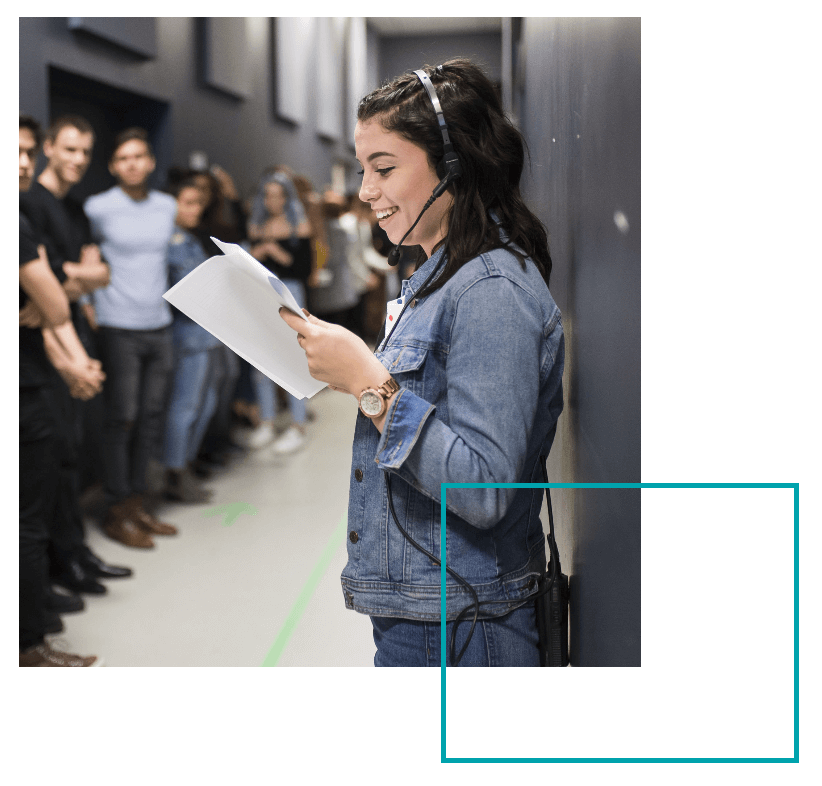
[(382, 172)]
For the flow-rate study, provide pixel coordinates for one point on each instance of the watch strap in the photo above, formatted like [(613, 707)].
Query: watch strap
[(388, 388)]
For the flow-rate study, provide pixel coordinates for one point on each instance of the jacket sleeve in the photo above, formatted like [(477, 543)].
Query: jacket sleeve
[(493, 382), (178, 261)]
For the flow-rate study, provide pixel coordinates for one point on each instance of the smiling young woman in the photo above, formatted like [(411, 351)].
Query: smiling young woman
[(397, 180), (466, 388)]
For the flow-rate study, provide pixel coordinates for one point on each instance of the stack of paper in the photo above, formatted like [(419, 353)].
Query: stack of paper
[(237, 300)]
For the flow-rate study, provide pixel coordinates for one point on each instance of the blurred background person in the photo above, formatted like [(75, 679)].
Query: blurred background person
[(39, 456), (363, 278), (312, 203), (60, 219), (133, 225), (337, 296), (223, 215), (196, 352), (280, 238), (369, 267), (225, 218), (76, 262)]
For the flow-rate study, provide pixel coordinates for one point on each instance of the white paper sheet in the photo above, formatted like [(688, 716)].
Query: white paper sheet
[(237, 300)]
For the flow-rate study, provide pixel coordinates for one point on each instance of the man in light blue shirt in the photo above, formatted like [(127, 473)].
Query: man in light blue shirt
[(133, 225)]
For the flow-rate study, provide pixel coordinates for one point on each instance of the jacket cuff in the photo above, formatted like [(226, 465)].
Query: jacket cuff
[(406, 416)]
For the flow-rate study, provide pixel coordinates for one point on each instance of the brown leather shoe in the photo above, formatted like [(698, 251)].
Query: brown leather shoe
[(146, 520), (122, 525), (43, 655)]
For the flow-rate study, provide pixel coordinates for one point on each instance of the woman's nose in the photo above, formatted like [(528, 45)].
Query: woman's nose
[(368, 192)]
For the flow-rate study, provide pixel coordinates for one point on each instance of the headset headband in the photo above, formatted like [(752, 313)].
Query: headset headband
[(432, 94)]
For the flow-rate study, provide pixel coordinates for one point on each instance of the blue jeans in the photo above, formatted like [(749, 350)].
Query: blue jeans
[(265, 388), (507, 641), (193, 401)]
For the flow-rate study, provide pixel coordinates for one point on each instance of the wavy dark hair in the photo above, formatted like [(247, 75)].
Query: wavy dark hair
[(491, 151)]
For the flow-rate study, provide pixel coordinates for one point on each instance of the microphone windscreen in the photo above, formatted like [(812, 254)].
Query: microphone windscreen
[(394, 256)]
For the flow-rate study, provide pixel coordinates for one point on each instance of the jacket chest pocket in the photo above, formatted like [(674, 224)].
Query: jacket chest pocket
[(407, 365)]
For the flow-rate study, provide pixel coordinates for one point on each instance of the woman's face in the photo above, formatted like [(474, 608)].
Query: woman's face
[(275, 199), (204, 184), (397, 181), (190, 204)]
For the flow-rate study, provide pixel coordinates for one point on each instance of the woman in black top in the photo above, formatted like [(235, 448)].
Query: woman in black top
[(280, 238)]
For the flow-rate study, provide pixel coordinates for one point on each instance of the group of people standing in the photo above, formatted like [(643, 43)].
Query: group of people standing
[(93, 320)]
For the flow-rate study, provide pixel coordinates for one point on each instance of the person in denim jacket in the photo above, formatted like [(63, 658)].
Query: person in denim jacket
[(476, 360), (194, 393)]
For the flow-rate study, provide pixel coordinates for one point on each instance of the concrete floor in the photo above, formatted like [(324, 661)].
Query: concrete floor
[(217, 595)]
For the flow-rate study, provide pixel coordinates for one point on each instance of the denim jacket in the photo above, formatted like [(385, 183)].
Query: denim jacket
[(479, 364), (185, 253)]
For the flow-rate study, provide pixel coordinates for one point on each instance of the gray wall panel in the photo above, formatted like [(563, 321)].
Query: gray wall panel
[(295, 40), (403, 53), (329, 90), (226, 54), (136, 33), (581, 118)]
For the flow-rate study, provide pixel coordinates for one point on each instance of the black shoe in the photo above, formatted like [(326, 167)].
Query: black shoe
[(63, 604), (182, 486), (75, 578), (94, 566), (213, 458), (53, 623), (201, 469)]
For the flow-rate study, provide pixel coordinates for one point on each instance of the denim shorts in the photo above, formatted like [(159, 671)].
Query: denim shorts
[(511, 640)]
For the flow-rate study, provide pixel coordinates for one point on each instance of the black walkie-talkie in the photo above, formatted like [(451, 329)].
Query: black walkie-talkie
[(552, 599)]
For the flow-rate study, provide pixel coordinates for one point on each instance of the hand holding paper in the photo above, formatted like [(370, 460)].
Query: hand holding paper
[(336, 355), (237, 300)]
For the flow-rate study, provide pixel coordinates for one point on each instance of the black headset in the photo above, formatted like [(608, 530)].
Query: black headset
[(448, 170)]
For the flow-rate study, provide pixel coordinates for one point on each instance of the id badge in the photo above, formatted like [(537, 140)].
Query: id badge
[(393, 308)]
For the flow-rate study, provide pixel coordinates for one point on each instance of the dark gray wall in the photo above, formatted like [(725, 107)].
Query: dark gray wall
[(242, 135), (403, 53), (580, 113)]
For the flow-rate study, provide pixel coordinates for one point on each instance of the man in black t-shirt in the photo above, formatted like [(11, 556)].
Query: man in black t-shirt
[(64, 231), (59, 218), (76, 262), (39, 459)]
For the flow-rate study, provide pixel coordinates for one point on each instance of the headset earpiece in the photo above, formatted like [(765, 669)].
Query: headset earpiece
[(449, 167)]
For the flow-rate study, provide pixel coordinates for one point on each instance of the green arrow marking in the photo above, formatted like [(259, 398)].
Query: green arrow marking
[(231, 511)]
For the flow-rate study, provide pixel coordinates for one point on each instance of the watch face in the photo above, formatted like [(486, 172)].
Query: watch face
[(371, 403)]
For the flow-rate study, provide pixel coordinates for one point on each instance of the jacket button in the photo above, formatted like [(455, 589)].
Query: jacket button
[(414, 303), (358, 475), (353, 537), (531, 584)]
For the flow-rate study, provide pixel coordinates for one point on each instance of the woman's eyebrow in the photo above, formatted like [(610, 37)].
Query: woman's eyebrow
[(376, 155)]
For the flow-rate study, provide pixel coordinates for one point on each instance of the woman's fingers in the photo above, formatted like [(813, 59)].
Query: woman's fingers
[(295, 321)]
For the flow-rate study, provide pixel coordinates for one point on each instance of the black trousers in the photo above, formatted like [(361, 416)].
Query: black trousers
[(139, 365), (66, 531), (50, 440), (39, 483)]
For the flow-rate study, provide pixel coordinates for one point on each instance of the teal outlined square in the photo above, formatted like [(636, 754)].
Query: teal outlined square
[(795, 486)]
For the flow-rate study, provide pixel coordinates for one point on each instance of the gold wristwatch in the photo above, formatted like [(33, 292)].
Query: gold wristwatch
[(373, 401)]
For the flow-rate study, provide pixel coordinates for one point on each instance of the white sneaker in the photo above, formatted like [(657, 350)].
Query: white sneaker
[(291, 440), (260, 436)]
